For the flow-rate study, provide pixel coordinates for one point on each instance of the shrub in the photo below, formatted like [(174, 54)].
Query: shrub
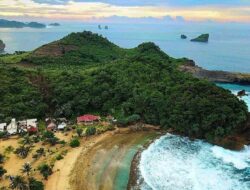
[(2, 171), (90, 131), (45, 170), (3, 134), (1, 159), (59, 157), (35, 184), (79, 131), (74, 143)]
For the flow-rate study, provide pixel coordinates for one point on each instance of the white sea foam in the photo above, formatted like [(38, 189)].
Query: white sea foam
[(176, 163)]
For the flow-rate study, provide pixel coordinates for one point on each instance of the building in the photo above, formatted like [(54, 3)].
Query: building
[(52, 126), (88, 119), (12, 127), (62, 126), (3, 127)]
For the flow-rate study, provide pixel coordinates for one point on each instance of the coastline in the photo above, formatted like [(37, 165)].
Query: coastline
[(134, 168), (105, 163)]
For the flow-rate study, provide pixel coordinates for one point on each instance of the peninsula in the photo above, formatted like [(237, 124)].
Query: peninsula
[(16, 24)]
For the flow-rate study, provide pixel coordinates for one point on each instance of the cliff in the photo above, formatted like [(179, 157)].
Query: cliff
[(2, 46), (215, 76)]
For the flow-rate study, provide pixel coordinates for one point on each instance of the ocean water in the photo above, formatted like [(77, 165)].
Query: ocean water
[(228, 47), (177, 163)]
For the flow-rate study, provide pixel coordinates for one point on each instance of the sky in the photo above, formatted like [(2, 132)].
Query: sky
[(90, 10)]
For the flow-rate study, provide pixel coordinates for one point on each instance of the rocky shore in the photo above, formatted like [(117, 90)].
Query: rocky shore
[(215, 76), (2, 46)]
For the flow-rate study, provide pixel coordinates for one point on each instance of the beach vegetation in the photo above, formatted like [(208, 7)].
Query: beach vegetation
[(45, 170), (2, 171), (91, 130), (74, 143)]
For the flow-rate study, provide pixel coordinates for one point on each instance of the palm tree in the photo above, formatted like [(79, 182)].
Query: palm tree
[(26, 168), (18, 183), (27, 140)]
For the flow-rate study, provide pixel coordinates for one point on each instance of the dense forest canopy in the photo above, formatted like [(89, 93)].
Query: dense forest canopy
[(85, 73)]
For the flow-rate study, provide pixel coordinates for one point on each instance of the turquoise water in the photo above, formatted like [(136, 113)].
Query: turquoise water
[(228, 47)]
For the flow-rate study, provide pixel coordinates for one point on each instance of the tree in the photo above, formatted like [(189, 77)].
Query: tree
[(26, 140), (45, 170), (26, 168), (35, 184), (18, 182), (2, 171), (79, 131), (22, 151)]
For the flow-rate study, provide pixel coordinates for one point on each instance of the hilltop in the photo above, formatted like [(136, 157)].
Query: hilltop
[(86, 73)]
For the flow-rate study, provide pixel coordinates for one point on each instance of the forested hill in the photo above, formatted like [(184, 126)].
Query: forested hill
[(85, 73)]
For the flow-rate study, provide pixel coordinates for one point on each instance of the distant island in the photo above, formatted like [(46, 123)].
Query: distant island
[(16, 24), (183, 36), (54, 24), (202, 38), (2, 46)]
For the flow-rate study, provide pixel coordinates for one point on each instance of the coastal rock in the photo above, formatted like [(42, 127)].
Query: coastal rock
[(54, 24), (242, 93), (183, 36), (202, 38), (214, 76), (2, 46)]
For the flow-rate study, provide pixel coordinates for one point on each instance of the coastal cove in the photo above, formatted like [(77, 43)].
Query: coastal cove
[(84, 73)]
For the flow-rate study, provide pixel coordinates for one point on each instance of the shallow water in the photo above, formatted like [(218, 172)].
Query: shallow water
[(177, 163)]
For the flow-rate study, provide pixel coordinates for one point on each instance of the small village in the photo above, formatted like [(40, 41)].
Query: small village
[(31, 126), (39, 145)]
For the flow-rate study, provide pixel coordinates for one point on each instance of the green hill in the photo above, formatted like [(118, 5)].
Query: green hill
[(85, 73)]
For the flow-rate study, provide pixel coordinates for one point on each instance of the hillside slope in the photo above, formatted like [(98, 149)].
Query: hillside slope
[(121, 82)]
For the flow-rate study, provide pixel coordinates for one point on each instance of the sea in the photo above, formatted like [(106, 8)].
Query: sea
[(173, 162)]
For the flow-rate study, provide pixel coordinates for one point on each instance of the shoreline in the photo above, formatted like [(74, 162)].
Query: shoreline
[(106, 163), (134, 168)]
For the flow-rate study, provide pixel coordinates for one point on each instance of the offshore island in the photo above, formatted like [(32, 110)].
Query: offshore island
[(96, 105)]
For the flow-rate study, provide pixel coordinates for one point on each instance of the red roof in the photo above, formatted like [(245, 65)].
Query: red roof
[(86, 118), (32, 129)]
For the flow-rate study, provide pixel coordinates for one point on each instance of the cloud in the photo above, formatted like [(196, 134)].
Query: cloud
[(160, 9), (177, 3)]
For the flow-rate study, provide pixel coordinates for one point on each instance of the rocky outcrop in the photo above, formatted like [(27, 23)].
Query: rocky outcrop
[(202, 38), (215, 76), (183, 36), (2, 46)]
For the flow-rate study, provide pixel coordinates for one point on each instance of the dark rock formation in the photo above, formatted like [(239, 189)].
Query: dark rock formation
[(242, 93), (202, 38), (54, 24), (2, 46), (215, 76), (183, 36)]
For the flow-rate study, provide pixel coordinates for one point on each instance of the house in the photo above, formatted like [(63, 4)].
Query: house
[(88, 119), (32, 123), (3, 127), (51, 126), (32, 129), (62, 126), (12, 127), (22, 126)]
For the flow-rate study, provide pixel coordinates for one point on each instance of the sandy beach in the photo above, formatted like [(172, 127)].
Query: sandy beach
[(104, 162)]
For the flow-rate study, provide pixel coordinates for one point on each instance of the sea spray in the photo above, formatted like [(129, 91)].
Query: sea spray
[(177, 163)]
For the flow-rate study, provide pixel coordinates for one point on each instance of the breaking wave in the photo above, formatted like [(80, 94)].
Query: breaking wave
[(177, 163)]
